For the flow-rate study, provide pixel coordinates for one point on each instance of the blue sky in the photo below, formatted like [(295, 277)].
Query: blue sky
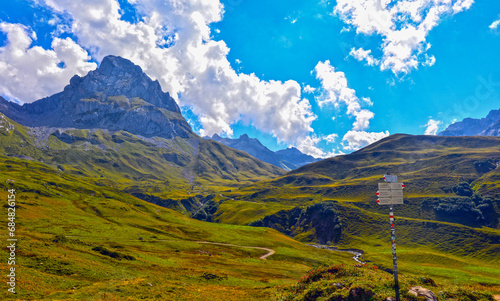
[(325, 76)]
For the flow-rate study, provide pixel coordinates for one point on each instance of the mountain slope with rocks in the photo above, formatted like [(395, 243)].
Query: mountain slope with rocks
[(488, 126), (116, 125)]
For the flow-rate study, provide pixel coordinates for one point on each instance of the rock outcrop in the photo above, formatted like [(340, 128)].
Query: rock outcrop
[(116, 96), (316, 223), (419, 291)]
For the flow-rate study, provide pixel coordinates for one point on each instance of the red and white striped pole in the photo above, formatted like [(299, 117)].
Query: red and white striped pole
[(394, 258)]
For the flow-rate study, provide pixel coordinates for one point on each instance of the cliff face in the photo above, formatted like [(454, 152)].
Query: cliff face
[(316, 223), (116, 96)]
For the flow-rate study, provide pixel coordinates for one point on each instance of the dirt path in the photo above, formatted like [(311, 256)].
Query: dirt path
[(226, 197), (263, 257)]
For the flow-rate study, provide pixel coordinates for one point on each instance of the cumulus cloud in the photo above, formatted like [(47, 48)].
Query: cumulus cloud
[(354, 140), (432, 127), (28, 72), (309, 145), (308, 89), (402, 25), (364, 55), (362, 120), (172, 42), (331, 138), (335, 91), (334, 88)]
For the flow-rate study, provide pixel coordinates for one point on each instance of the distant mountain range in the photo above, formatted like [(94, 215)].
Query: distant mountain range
[(489, 126), (288, 159)]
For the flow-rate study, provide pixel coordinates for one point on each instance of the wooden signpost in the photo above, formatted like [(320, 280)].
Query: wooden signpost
[(391, 193)]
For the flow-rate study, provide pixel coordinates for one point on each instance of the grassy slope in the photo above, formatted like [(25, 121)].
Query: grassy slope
[(61, 218), (134, 163), (174, 167), (429, 166), (339, 282)]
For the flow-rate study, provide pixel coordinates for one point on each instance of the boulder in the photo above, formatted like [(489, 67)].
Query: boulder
[(423, 292)]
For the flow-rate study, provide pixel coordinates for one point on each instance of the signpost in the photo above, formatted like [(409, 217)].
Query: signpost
[(391, 193)]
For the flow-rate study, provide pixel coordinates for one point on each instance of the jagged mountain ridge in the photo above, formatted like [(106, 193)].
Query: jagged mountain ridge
[(488, 126), (287, 159), (117, 124), (116, 96)]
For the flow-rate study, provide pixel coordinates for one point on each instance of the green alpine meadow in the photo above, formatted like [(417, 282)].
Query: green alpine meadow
[(108, 194)]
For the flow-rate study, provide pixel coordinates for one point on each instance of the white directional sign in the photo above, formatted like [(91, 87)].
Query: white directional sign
[(390, 193), (385, 201), (391, 178), (384, 193)]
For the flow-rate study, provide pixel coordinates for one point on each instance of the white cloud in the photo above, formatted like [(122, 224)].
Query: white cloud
[(354, 140), (367, 100), (292, 19), (362, 120), (331, 138), (308, 145), (429, 60), (173, 44), (403, 26), (334, 88), (432, 127), (494, 25), (28, 72), (335, 91), (308, 89), (364, 55)]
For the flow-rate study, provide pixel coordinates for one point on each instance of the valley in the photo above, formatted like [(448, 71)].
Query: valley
[(110, 209)]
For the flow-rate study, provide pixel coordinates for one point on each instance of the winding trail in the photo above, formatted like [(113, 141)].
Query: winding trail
[(357, 253), (263, 257)]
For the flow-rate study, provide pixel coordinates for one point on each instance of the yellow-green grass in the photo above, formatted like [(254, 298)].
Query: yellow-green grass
[(61, 220), (368, 282), (94, 212), (451, 253)]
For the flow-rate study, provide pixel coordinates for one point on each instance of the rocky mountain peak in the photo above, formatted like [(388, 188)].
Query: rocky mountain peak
[(118, 95), (292, 154), (118, 76)]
